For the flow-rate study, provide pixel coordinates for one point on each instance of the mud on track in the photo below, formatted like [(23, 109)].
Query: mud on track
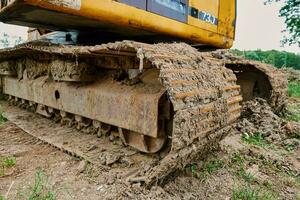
[(72, 179)]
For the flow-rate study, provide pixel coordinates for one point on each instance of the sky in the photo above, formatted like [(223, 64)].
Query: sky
[(258, 27)]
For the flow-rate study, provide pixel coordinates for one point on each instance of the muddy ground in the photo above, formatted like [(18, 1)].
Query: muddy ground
[(260, 159)]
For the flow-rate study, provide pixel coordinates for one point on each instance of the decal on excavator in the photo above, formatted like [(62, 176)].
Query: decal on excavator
[(208, 17), (204, 16)]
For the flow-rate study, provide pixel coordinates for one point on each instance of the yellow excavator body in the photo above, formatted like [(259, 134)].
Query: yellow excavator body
[(198, 22)]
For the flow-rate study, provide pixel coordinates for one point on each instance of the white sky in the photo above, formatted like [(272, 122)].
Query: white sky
[(258, 27)]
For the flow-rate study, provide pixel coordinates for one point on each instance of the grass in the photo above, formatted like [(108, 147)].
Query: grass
[(2, 198), (294, 89), (9, 162), (6, 163), (249, 193), (237, 163), (290, 147), (293, 117), (207, 169), (293, 113), (266, 166), (255, 139), (40, 190), (2, 118)]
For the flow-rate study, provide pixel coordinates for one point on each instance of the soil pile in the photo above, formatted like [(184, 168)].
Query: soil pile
[(258, 118)]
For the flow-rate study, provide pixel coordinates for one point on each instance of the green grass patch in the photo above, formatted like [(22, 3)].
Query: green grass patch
[(293, 117), (238, 163), (40, 190), (294, 89), (2, 118), (207, 169), (290, 147), (2, 198), (9, 162), (255, 139), (293, 113), (5, 163), (249, 193)]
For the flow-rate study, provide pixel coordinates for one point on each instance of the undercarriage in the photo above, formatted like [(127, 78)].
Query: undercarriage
[(160, 97)]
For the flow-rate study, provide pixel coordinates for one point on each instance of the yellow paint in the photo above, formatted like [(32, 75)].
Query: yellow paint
[(227, 17), (210, 6), (120, 14)]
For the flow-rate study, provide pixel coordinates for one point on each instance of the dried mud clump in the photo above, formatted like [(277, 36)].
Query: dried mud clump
[(70, 70), (7, 68), (258, 118)]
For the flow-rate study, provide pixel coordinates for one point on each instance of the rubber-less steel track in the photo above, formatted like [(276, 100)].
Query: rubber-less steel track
[(202, 88), (272, 83)]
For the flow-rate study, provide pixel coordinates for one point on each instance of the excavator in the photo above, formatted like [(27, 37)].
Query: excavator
[(151, 71)]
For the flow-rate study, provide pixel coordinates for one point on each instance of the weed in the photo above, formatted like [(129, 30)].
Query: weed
[(9, 162), (291, 173), (238, 163), (255, 139), (293, 112), (213, 166), (248, 193), (293, 117), (290, 147), (194, 169), (248, 177), (294, 89), (208, 168), (40, 190), (6, 163), (237, 158), (2, 118), (268, 184), (1, 197)]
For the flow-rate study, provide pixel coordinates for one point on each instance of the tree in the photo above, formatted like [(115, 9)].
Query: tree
[(18, 41), (4, 40), (291, 13), (7, 40), (277, 58)]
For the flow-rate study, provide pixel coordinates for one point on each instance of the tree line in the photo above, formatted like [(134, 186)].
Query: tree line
[(7, 40), (279, 59)]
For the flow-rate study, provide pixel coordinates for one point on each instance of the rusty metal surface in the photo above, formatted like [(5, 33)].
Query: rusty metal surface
[(132, 108), (191, 80)]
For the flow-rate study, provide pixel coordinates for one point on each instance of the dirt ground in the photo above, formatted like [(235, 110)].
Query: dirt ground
[(260, 159)]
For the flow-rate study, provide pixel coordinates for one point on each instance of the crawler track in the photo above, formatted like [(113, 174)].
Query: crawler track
[(201, 87)]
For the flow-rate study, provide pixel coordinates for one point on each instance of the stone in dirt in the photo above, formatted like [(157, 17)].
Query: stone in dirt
[(108, 158), (82, 166)]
